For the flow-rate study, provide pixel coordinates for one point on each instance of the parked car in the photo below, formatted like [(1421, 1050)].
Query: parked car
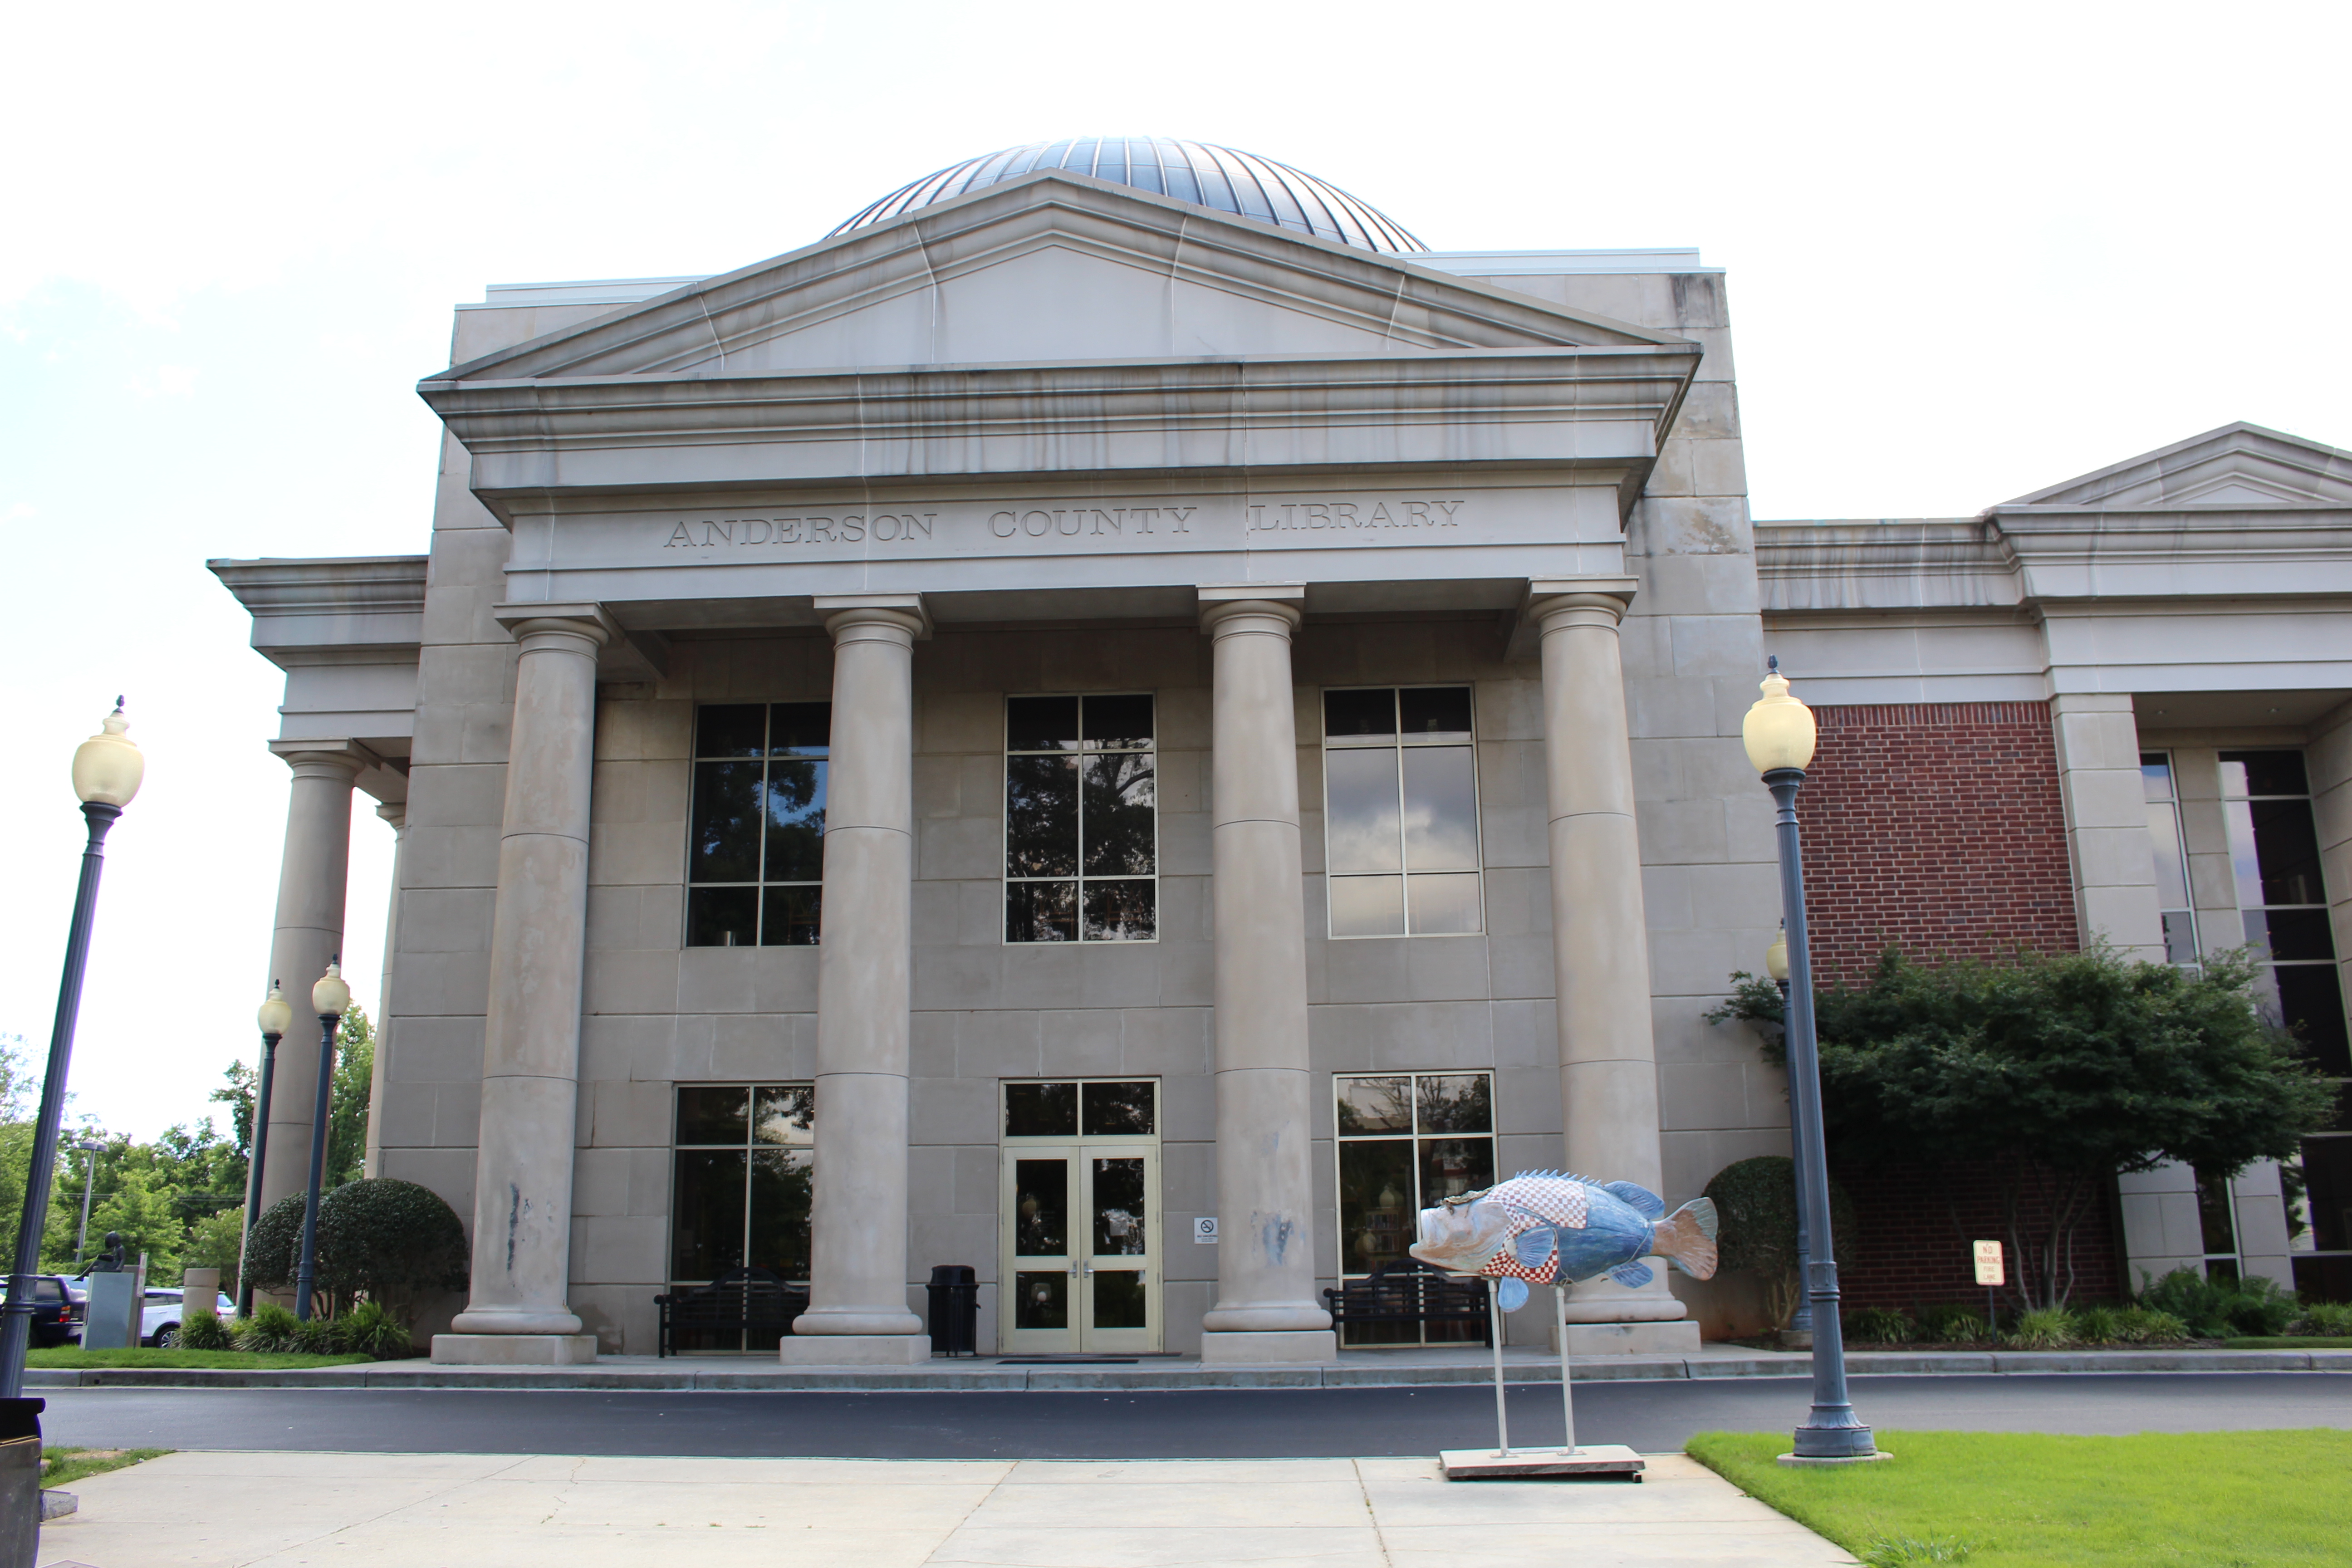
[(159, 1317), (58, 1306)]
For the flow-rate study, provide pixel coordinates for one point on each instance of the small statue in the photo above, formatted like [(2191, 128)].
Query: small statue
[(109, 1261), (1556, 1230)]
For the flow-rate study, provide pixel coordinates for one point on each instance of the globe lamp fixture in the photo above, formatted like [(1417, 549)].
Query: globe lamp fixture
[(331, 998), (107, 767), (1775, 958), (1779, 731), (276, 1015)]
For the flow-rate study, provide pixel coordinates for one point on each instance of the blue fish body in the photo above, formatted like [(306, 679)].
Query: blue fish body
[(1552, 1228)]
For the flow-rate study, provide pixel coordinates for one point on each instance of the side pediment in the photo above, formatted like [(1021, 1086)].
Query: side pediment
[(1053, 268), (2236, 466)]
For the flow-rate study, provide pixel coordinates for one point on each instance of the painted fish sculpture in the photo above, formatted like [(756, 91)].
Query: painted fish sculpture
[(1554, 1228)]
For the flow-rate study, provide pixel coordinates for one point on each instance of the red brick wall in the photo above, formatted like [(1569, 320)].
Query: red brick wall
[(1908, 1253), (1935, 826)]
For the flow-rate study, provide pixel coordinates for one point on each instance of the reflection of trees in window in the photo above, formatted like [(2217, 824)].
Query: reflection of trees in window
[(755, 855), (1401, 812), (741, 1169), (1081, 819), (1406, 1142)]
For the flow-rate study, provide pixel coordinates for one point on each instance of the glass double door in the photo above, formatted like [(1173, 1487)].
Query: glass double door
[(1081, 1223)]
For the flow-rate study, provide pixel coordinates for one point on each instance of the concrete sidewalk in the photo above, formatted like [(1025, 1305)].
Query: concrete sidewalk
[(1358, 1369), (234, 1510)]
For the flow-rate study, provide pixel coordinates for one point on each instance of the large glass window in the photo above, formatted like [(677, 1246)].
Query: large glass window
[(1401, 812), (741, 1162), (2275, 857), (1081, 819), (1406, 1141), (755, 845), (2171, 857)]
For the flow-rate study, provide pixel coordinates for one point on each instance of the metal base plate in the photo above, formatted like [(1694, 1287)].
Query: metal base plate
[(1800, 1461), (1592, 1459)]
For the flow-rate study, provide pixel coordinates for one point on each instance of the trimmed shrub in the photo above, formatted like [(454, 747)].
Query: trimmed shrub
[(1756, 1209), (1952, 1325), (2099, 1325), (317, 1337), (392, 1241), (1878, 1325), (2043, 1329), (271, 1329), (208, 1332)]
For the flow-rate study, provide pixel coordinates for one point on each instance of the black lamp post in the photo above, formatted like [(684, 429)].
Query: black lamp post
[(329, 999), (1779, 735), (1801, 1321), (107, 769), (276, 1017)]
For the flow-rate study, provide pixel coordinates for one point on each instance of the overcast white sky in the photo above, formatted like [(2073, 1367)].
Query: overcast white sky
[(1973, 250)]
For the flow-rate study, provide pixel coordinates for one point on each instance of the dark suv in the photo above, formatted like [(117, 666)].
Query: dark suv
[(57, 1308)]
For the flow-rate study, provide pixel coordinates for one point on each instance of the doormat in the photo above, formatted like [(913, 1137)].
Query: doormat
[(1068, 1360)]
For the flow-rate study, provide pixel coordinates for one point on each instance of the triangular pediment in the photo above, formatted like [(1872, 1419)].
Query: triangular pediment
[(2238, 465), (1051, 268)]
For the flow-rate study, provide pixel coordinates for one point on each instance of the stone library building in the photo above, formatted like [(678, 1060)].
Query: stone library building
[(1118, 722)]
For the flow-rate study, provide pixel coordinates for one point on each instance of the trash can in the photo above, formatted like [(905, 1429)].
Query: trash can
[(955, 1309), (20, 1481)]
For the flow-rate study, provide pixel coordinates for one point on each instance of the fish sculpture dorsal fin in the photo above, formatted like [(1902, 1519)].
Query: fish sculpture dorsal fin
[(1644, 1202)]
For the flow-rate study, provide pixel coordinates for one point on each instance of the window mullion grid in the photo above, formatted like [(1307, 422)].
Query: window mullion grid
[(1404, 872), (1079, 802), (760, 901)]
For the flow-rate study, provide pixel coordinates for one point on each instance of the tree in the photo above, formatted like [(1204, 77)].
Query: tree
[(2058, 1072), (347, 1114), (1756, 1208)]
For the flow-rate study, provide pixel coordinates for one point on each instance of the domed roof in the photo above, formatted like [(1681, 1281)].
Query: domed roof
[(1233, 182)]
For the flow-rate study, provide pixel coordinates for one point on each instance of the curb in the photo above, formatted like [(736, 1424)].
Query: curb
[(982, 1378)]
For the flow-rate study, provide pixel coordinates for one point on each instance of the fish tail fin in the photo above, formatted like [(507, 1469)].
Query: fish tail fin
[(1685, 1239)]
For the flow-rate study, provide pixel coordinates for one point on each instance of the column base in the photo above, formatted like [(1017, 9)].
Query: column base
[(1633, 1338), (1291, 1347), (513, 1350), (854, 1350)]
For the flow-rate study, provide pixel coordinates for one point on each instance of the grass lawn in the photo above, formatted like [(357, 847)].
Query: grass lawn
[(2294, 1342), (62, 1466), (2002, 1500), (61, 1359)]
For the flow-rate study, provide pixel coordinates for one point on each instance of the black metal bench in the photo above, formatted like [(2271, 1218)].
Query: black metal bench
[(1410, 1291), (746, 1305)]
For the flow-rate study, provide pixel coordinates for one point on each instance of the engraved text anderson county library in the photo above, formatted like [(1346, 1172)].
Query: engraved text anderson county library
[(1339, 521)]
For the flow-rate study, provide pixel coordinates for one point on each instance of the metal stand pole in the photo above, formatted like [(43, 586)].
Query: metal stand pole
[(1502, 1416), (1567, 1398), (253, 1180), (17, 1324), (1801, 1321), (1833, 1430), (307, 1280)]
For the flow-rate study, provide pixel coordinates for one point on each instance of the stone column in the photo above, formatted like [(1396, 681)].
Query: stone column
[(858, 1268), (517, 1313), (1601, 949), (309, 935), (1267, 1308), (2108, 842), (396, 812)]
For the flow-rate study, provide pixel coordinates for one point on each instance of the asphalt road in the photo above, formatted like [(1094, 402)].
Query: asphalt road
[(1188, 1423)]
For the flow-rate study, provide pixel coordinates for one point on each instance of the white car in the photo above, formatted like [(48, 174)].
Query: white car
[(159, 1317)]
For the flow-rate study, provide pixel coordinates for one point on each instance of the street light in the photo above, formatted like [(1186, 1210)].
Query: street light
[(329, 999), (276, 1017), (89, 1181), (107, 770), (1779, 735), (1775, 964)]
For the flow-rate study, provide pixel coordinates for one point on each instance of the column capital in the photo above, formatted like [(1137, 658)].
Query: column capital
[(540, 626), (395, 812), (1228, 607), (325, 759), (848, 616), (1578, 601)]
